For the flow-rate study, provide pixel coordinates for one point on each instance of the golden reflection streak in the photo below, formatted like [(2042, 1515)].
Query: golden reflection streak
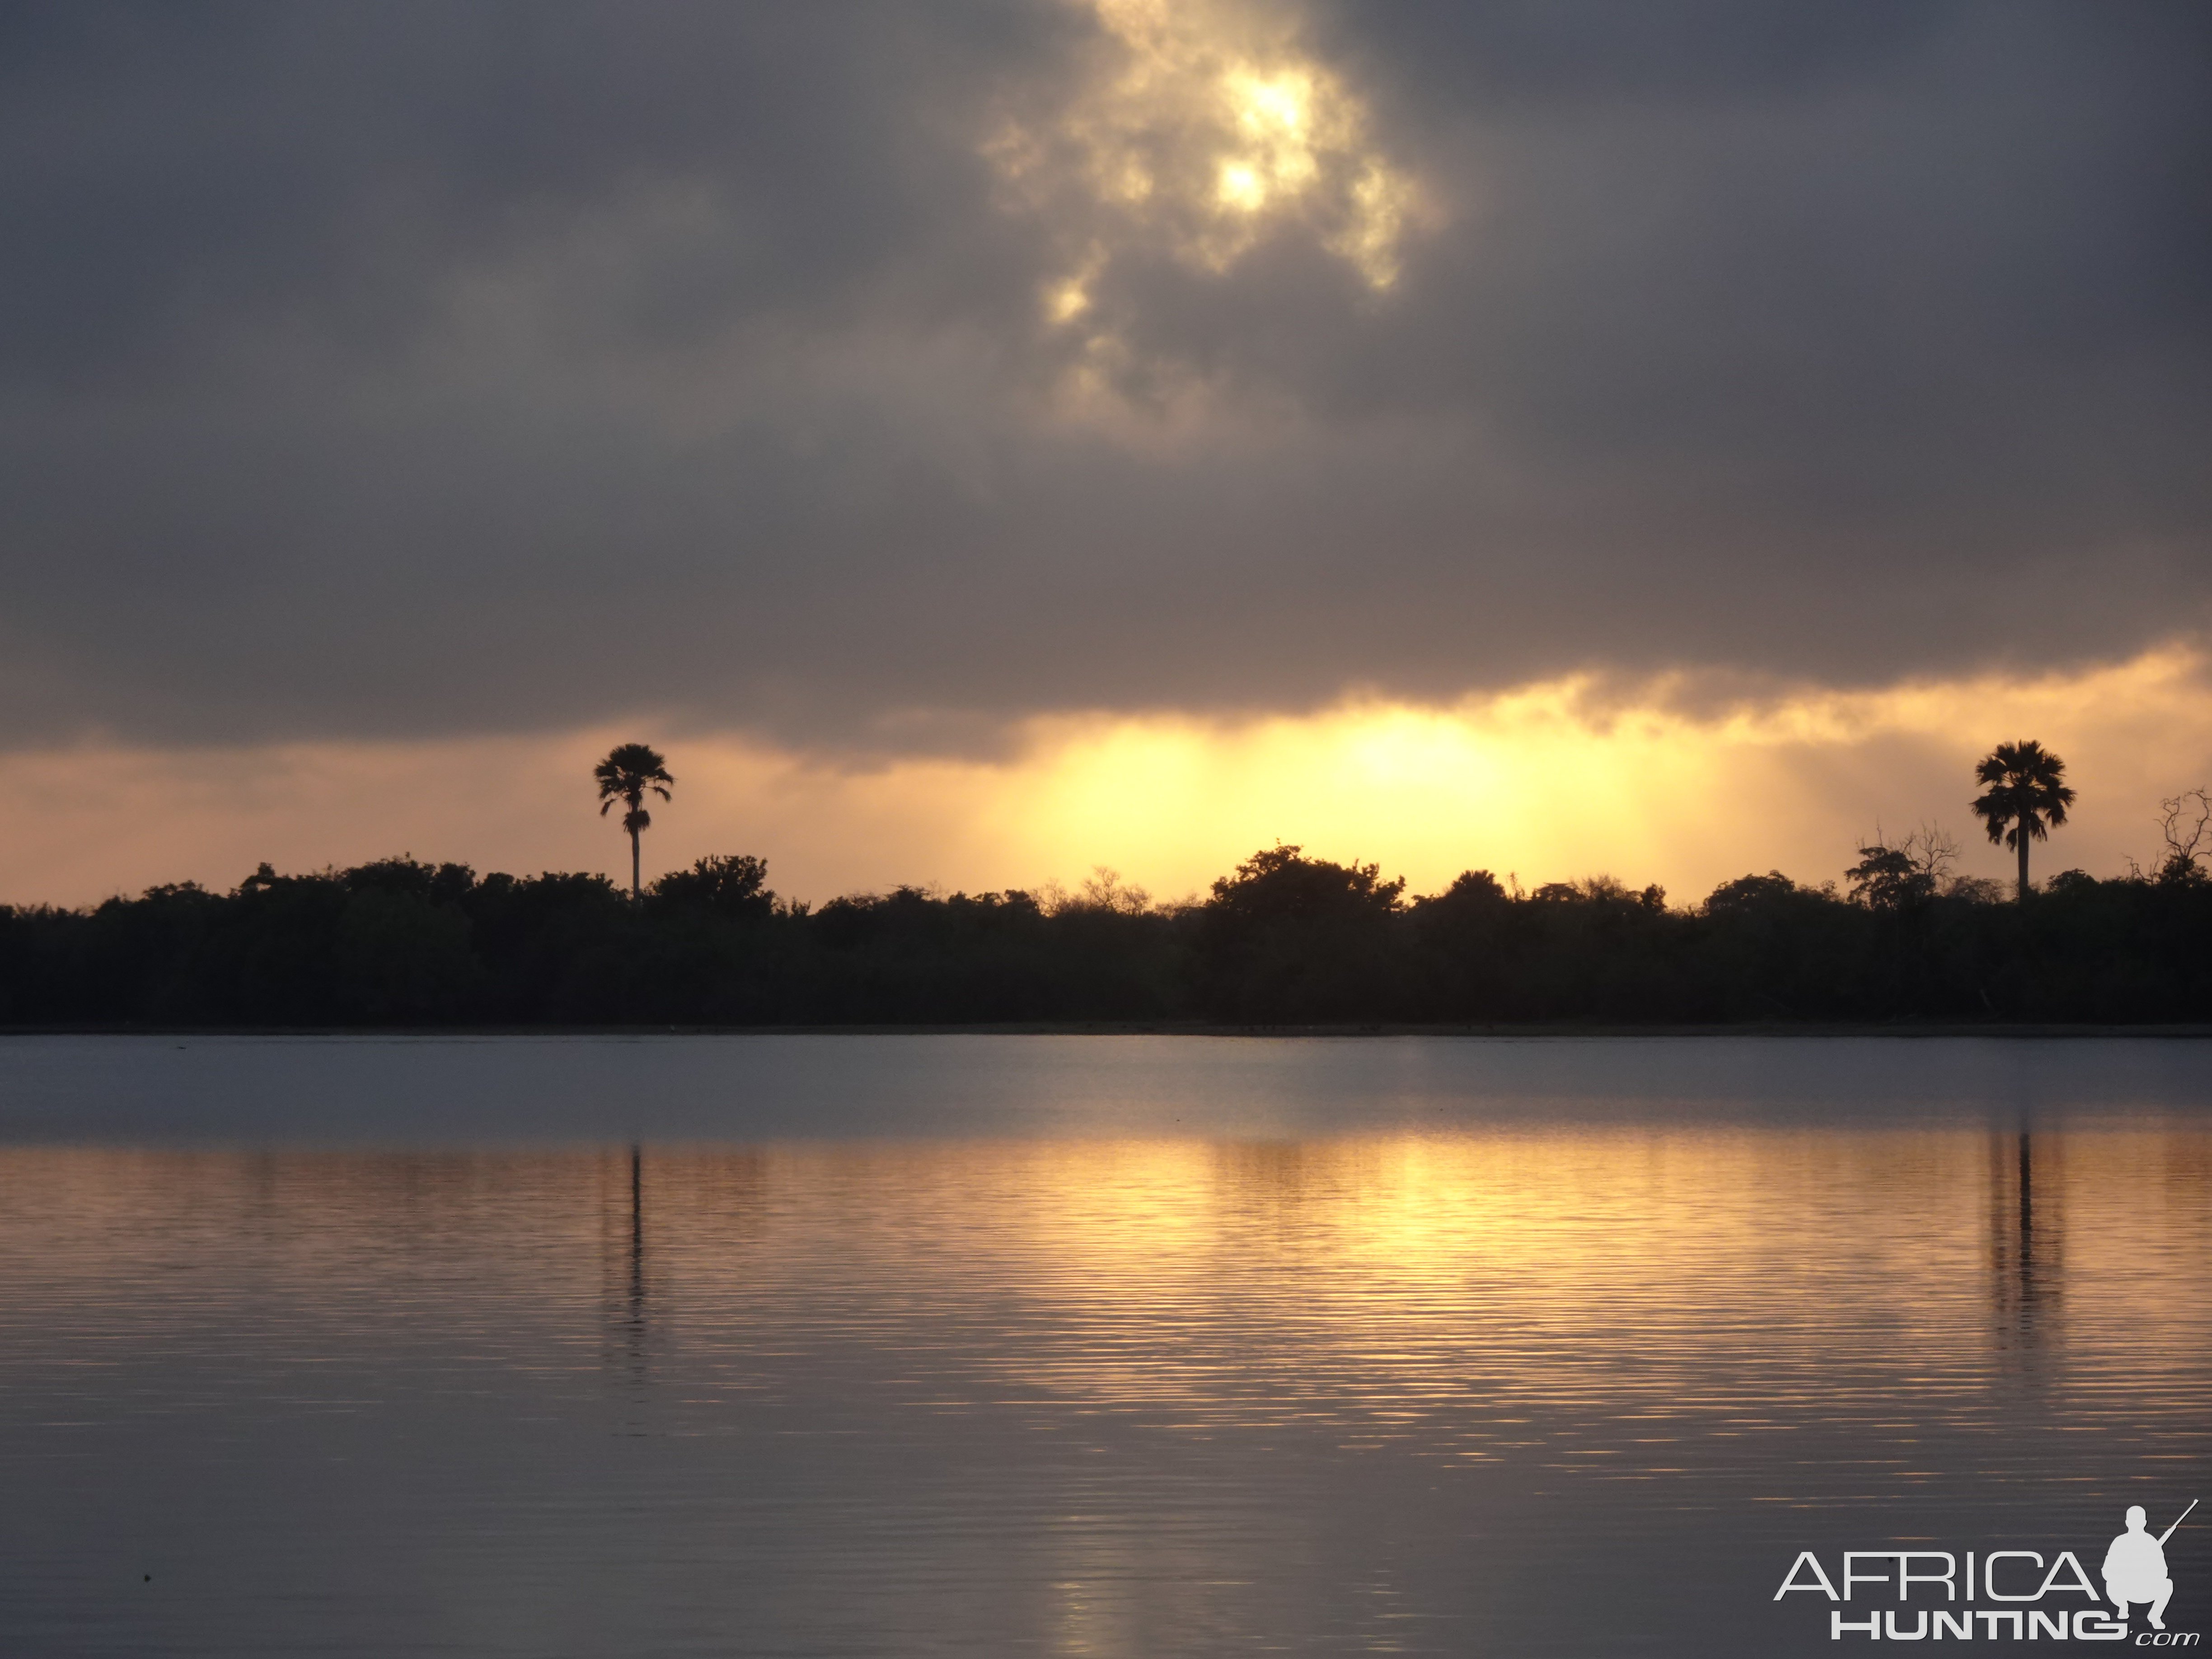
[(1375, 1280)]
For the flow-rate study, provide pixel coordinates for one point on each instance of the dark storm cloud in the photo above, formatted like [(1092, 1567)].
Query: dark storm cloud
[(441, 367)]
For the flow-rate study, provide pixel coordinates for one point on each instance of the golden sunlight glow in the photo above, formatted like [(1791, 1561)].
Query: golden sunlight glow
[(1241, 188), (1272, 108), (1069, 298), (1201, 128), (1548, 782), (1068, 302), (1278, 157)]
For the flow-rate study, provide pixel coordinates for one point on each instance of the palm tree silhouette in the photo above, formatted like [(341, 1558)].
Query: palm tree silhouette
[(628, 771), (2025, 793)]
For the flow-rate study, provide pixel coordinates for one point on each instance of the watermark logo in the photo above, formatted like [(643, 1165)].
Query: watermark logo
[(2030, 1596)]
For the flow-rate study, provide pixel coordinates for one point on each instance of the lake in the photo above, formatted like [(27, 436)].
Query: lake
[(915, 1344)]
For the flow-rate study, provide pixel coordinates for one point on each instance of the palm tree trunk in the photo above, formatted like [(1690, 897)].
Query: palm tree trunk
[(634, 897), (2022, 833)]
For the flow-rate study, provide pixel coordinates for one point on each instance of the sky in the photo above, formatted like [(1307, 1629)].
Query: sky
[(978, 443)]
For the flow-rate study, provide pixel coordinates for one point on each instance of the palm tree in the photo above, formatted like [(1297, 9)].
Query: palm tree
[(2025, 791), (630, 770)]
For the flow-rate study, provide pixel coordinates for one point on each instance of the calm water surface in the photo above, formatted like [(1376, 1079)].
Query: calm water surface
[(911, 1346)]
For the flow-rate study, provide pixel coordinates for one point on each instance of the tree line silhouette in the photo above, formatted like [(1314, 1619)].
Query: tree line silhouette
[(1284, 939)]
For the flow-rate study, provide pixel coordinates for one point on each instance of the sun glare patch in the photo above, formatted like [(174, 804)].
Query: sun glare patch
[(1198, 132)]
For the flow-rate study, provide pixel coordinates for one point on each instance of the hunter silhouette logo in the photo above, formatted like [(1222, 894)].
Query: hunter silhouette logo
[(2135, 1566), (2029, 1593)]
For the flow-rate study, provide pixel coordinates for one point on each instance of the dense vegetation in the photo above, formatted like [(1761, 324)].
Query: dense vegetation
[(1286, 939)]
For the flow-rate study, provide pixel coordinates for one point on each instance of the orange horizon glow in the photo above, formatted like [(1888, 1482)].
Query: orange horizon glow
[(1539, 781)]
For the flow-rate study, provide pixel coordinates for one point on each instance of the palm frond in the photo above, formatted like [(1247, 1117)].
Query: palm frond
[(2027, 794), (630, 770)]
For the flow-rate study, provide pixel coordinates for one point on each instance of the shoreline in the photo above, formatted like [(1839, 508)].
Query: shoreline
[(1901, 1029)]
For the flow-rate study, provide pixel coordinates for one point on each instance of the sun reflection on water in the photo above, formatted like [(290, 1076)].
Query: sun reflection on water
[(1111, 1395), (1433, 1289)]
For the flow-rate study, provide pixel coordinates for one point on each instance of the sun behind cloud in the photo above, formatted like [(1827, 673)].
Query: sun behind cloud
[(1200, 130)]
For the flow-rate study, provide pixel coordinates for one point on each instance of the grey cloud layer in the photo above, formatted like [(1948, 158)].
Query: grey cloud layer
[(435, 369)]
